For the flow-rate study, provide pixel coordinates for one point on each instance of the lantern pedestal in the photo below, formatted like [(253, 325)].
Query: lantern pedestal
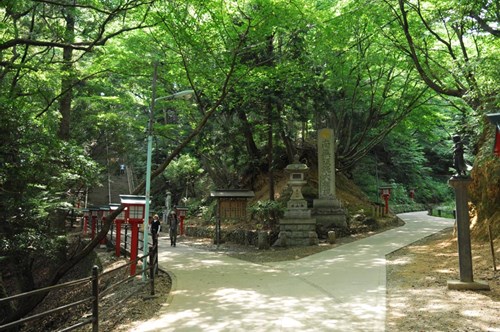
[(472, 285), (460, 184)]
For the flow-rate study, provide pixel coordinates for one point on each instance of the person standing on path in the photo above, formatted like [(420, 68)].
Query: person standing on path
[(173, 222), (155, 229)]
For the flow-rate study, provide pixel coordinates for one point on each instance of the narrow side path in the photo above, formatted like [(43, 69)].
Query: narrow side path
[(341, 289)]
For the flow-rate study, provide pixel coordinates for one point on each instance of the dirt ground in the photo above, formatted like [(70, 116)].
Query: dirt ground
[(417, 295)]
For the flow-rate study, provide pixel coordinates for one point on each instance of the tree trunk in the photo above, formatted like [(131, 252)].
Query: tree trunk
[(289, 145), (270, 148), (252, 149), (67, 78)]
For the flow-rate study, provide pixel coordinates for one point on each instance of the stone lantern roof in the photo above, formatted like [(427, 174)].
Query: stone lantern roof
[(296, 166)]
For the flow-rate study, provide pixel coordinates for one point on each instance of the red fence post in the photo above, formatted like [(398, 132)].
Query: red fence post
[(134, 242)]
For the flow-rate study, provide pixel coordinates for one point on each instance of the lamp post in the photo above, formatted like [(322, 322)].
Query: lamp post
[(182, 94), (495, 120), (460, 182)]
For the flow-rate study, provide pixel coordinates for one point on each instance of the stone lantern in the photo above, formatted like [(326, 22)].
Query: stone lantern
[(297, 205), (297, 228)]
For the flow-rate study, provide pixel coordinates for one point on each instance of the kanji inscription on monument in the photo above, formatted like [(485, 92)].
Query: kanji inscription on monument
[(327, 209), (326, 161)]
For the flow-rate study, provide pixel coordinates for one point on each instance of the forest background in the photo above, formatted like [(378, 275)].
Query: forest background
[(395, 80)]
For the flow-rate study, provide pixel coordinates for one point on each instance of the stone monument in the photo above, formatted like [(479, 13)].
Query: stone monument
[(327, 208), (297, 228)]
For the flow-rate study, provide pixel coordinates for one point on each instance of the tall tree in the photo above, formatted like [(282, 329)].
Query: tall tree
[(44, 34), (177, 21), (446, 43)]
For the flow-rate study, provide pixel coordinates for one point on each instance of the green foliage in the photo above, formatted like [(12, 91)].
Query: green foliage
[(32, 242), (187, 181), (277, 70), (445, 210), (184, 168), (267, 213)]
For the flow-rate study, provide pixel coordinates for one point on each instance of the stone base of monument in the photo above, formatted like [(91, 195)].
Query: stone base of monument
[(464, 285), (329, 213), (297, 232)]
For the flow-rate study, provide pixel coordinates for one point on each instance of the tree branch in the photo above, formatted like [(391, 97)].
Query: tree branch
[(423, 74), (484, 25)]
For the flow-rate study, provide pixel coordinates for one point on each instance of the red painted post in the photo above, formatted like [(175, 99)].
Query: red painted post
[(94, 224), (496, 147), (181, 214), (386, 199), (104, 239), (104, 214), (85, 224), (133, 247), (385, 191), (119, 220)]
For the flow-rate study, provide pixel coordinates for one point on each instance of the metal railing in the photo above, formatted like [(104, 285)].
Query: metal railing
[(93, 299)]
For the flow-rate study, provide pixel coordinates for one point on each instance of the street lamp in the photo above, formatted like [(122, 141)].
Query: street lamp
[(186, 94)]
